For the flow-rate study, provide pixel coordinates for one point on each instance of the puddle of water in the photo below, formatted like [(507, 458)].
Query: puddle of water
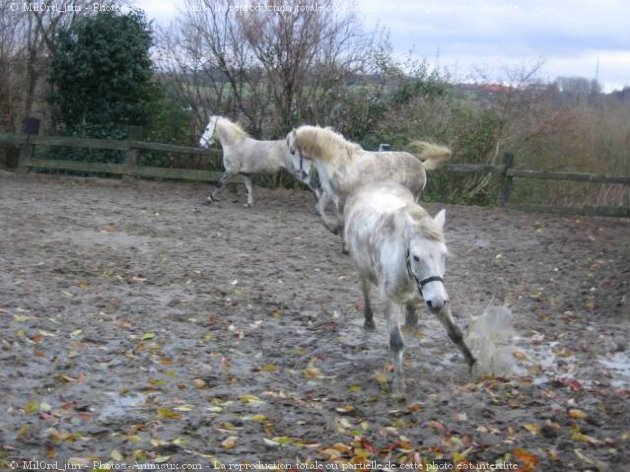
[(114, 240), (119, 406), (619, 366), (546, 362)]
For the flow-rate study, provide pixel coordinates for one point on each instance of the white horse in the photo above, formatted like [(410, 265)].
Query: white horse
[(397, 246), (343, 165), (246, 156)]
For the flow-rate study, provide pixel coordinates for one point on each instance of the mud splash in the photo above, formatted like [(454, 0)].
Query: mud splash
[(490, 338)]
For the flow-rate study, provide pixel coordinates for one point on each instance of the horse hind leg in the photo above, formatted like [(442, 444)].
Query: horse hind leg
[(455, 334), (225, 178), (367, 305), (396, 345), (250, 190)]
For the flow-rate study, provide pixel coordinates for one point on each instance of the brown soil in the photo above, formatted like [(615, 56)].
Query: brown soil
[(138, 326)]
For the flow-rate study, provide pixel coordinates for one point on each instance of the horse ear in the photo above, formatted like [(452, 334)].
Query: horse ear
[(409, 221), (440, 218)]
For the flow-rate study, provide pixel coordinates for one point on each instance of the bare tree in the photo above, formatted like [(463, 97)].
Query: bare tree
[(273, 68)]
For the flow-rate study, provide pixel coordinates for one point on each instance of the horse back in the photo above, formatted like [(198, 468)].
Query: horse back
[(399, 167), (373, 228), (256, 157)]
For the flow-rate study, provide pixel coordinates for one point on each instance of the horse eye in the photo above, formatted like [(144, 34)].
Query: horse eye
[(416, 258)]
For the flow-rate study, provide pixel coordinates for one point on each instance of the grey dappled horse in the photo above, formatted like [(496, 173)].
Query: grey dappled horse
[(395, 245)]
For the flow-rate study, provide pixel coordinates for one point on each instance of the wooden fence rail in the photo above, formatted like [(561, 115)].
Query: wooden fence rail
[(130, 167)]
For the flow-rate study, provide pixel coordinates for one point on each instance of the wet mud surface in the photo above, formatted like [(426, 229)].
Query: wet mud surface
[(139, 327)]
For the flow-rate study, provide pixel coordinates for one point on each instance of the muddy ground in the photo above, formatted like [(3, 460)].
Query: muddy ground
[(139, 327)]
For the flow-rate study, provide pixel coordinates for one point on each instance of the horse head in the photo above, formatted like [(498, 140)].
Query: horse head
[(426, 258), (207, 138), (301, 165)]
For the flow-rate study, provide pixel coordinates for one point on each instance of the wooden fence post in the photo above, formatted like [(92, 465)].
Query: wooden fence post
[(506, 180), (134, 133), (30, 127)]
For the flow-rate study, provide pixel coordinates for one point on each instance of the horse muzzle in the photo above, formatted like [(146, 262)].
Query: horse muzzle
[(436, 299), (205, 143), (436, 303)]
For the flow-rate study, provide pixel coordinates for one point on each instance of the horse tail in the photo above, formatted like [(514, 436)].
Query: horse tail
[(432, 155)]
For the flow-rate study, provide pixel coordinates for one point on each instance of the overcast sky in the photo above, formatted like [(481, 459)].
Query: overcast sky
[(572, 37)]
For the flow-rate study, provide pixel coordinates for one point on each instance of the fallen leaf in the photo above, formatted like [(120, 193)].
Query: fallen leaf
[(76, 333), (576, 414), (343, 448), (528, 459), (520, 355), (270, 442), (436, 425), (577, 436), (184, 408), (331, 454), (381, 378), (167, 413), (250, 399), (532, 428), (199, 383), (312, 373), (229, 442), (582, 457)]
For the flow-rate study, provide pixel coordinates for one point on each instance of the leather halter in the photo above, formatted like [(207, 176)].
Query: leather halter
[(423, 282), (300, 172)]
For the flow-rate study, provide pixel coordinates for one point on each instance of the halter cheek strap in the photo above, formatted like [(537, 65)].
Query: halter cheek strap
[(423, 282), (300, 172)]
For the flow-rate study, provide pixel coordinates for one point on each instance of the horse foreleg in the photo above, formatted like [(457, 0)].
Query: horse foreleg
[(331, 224), (225, 178), (314, 191), (396, 344), (455, 334), (248, 185), (411, 315), (339, 225), (367, 306)]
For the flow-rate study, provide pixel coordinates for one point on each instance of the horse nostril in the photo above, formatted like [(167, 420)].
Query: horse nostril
[(429, 304)]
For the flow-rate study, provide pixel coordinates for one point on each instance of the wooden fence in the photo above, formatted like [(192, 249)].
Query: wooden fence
[(130, 167)]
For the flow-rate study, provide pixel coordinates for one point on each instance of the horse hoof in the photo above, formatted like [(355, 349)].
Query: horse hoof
[(399, 391), (369, 325), (248, 205)]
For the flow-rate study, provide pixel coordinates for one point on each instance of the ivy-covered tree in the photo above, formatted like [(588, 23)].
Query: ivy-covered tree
[(101, 74)]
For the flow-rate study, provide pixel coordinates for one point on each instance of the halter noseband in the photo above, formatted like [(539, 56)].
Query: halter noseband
[(423, 282)]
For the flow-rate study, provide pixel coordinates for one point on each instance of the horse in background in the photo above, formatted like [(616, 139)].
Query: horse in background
[(397, 246), (247, 156), (343, 165)]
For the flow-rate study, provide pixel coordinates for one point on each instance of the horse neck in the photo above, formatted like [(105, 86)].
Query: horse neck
[(226, 133), (318, 151)]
